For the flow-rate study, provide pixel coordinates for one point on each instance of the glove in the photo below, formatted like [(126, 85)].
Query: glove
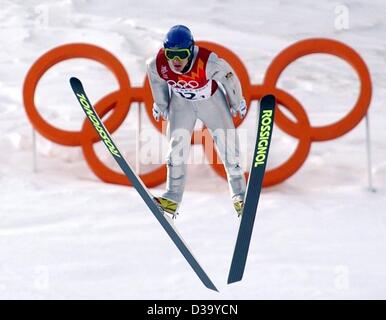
[(241, 109), (157, 112)]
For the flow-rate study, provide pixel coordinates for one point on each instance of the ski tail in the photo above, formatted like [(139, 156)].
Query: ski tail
[(137, 183), (254, 185)]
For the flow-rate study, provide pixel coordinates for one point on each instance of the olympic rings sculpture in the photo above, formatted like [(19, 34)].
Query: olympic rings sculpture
[(119, 103)]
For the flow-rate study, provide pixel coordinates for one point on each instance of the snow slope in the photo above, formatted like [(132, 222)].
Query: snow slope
[(64, 234)]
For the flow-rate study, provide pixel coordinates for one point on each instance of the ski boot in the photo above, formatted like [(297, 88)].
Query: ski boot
[(238, 204), (167, 205)]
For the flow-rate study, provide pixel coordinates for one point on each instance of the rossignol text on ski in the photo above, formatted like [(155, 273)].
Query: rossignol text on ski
[(255, 180)]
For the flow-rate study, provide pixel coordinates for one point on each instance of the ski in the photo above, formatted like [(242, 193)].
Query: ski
[(137, 183), (256, 175)]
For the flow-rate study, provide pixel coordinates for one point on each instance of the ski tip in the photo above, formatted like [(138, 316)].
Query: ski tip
[(212, 287), (268, 100), (75, 82), (234, 278), (208, 283)]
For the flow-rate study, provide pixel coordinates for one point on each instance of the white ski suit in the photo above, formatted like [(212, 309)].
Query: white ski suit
[(194, 95)]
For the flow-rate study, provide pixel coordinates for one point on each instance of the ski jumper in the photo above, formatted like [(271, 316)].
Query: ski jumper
[(194, 95)]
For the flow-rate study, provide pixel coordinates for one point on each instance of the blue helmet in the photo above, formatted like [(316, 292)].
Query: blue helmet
[(179, 37)]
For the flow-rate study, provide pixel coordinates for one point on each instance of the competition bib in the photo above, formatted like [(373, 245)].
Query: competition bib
[(191, 90)]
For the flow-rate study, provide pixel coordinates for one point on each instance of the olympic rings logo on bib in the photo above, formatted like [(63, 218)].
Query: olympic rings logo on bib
[(119, 102), (182, 84)]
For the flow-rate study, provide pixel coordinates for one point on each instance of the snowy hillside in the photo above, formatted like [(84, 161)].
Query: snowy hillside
[(65, 234)]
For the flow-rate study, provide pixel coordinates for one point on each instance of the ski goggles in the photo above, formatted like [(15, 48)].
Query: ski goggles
[(180, 54)]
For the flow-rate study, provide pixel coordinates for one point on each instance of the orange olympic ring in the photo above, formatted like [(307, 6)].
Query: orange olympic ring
[(340, 50), (65, 52), (119, 103)]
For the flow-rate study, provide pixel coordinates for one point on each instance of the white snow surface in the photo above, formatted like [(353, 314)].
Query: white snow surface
[(64, 234)]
